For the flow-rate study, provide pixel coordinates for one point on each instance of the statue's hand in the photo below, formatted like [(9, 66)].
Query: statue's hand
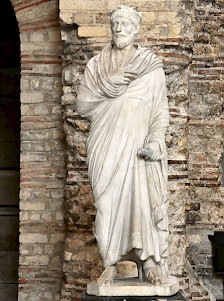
[(123, 77), (151, 153)]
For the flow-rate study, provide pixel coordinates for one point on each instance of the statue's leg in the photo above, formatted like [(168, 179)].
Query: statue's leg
[(108, 275)]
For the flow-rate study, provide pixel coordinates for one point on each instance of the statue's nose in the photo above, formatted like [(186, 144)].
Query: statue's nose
[(118, 27)]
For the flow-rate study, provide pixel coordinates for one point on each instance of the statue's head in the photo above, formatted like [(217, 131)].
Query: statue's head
[(125, 23)]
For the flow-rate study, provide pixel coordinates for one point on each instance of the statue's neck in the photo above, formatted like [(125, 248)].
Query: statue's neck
[(122, 56)]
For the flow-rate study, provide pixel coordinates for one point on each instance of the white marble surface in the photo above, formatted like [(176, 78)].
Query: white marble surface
[(134, 287), (123, 94)]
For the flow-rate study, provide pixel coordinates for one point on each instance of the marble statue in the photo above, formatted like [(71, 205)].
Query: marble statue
[(123, 94)]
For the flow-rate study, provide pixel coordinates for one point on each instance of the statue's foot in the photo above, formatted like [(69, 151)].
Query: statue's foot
[(108, 275), (152, 276)]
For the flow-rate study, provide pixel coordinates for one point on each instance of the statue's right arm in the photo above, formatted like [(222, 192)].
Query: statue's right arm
[(88, 94)]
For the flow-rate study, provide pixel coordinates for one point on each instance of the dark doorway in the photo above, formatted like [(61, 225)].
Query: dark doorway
[(9, 151)]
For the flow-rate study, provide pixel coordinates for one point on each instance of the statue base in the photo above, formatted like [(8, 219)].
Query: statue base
[(134, 287), (177, 297)]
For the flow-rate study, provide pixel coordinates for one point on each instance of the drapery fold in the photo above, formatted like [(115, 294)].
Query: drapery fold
[(130, 193)]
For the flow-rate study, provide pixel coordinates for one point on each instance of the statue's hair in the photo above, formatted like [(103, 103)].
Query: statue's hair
[(126, 12)]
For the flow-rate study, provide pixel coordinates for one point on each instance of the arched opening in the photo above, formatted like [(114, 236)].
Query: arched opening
[(9, 151)]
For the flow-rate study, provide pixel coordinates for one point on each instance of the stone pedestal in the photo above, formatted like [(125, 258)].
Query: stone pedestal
[(134, 287), (177, 297)]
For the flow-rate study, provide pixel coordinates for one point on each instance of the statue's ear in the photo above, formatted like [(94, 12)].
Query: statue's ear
[(136, 30)]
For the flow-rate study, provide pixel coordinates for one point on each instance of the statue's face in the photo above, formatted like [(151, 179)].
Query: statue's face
[(123, 32)]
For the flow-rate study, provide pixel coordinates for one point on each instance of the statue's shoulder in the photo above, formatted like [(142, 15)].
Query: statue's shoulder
[(105, 51), (92, 60), (98, 57), (144, 51), (150, 59)]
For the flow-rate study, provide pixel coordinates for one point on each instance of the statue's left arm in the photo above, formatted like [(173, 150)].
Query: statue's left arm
[(154, 145)]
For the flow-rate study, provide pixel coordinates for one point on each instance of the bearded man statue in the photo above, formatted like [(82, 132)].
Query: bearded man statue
[(123, 94)]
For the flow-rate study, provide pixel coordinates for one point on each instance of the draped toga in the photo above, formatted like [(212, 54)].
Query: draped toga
[(130, 193)]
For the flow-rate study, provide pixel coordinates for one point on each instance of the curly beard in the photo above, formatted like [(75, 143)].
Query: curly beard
[(122, 42)]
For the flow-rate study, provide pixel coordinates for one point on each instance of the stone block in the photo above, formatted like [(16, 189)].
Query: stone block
[(24, 37), (66, 17), (55, 238), (54, 35), (205, 105), (126, 269), (37, 206), (37, 109), (175, 30), (177, 204), (34, 216), (30, 238), (38, 157), (90, 31), (48, 84), (80, 5), (152, 5), (37, 37), (149, 17), (57, 193), (47, 216), (32, 97), (102, 18), (59, 216), (83, 18), (39, 260), (22, 296), (35, 13), (25, 85), (112, 4), (177, 249), (168, 17), (24, 216)]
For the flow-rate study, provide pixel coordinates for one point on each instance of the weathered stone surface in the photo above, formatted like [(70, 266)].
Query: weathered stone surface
[(190, 45), (129, 287)]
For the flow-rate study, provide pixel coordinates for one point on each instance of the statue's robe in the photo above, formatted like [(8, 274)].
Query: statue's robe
[(130, 193)]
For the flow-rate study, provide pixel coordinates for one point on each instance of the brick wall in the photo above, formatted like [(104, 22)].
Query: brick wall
[(205, 208), (42, 151), (85, 31), (187, 36)]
